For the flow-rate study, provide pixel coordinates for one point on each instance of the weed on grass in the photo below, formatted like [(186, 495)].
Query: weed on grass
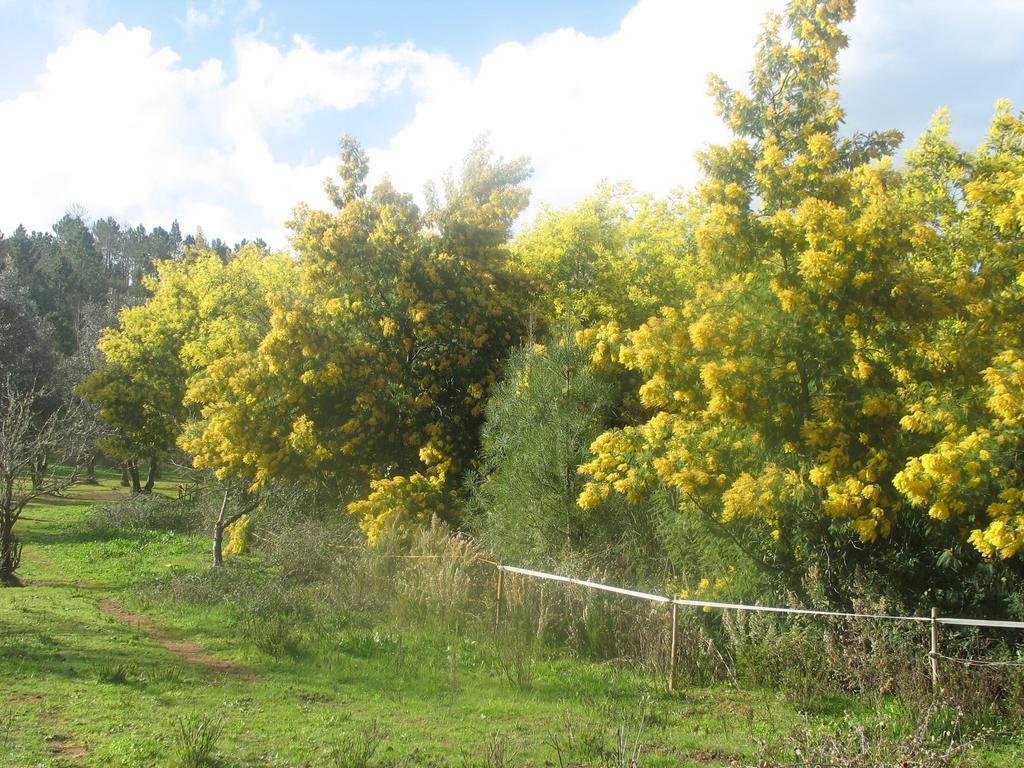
[(118, 674), (195, 740), (516, 653), (6, 729), (497, 753), (359, 749)]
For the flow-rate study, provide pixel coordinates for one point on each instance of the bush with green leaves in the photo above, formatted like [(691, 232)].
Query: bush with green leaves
[(541, 419)]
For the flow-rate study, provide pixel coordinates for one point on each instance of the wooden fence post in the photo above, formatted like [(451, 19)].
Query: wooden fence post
[(934, 655), (672, 660), (497, 601)]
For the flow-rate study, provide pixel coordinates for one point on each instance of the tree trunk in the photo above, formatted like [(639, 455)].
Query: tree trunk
[(10, 548), (39, 467), (218, 534), (125, 481), (133, 472), (90, 471), (151, 477)]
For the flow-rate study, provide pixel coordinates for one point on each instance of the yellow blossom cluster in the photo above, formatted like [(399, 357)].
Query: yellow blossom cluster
[(971, 417), (401, 504), (239, 534)]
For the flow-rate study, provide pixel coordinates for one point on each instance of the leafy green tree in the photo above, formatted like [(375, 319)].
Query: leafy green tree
[(541, 419), (27, 355)]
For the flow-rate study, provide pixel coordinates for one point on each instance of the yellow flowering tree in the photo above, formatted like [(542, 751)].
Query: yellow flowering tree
[(201, 311), (205, 316), (616, 257), (375, 371), (774, 388), (968, 402)]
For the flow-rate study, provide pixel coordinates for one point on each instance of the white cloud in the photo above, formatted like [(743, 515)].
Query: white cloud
[(197, 19), (126, 129), (631, 105), (61, 17)]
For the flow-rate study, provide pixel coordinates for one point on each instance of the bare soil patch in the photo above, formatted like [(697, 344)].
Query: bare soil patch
[(64, 747), (187, 650)]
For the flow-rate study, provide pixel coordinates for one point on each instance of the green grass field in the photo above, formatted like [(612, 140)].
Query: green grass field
[(100, 667)]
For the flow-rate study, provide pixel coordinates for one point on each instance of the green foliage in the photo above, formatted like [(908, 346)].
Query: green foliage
[(118, 674), (75, 267), (541, 420), (271, 629), (27, 356)]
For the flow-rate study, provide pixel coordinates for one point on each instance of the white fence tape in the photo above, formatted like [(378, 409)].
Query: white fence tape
[(760, 608)]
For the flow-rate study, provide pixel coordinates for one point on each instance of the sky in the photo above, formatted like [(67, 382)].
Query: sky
[(226, 113)]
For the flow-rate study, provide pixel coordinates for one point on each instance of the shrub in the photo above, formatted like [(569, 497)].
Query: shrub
[(436, 581), (516, 653), (148, 513), (898, 738), (303, 550)]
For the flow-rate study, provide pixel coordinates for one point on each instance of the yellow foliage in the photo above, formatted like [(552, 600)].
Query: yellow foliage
[(238, 535), (400, 504)]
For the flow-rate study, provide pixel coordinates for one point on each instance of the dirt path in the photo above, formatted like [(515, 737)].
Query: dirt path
[(187, 650)]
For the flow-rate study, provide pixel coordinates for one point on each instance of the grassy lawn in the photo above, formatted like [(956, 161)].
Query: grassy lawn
[(100, 667)]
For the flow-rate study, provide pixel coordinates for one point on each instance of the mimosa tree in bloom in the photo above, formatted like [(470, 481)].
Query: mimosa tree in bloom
[(617, 256), (775, 386), (971, 407), (375, 371), (202, 313)]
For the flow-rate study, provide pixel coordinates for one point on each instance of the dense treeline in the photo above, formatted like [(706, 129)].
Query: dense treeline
[(804, 377), (78, 268), (58, 291)]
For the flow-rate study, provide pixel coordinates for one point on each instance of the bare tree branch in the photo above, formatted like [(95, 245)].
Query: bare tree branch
[(34, 435)]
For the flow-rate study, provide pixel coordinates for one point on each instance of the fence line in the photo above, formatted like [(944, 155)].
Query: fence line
[(934, 620), (761, 608), (979, 662)]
